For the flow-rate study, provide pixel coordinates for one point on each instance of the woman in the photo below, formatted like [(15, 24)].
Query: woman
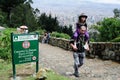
[(81, 22)]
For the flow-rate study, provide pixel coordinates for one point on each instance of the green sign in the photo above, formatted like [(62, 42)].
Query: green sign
[(24, 49)]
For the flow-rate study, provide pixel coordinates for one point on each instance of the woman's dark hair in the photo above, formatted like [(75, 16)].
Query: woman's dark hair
[(80, 19)]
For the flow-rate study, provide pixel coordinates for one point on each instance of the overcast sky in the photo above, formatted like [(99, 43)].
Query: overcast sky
[(106, 1), (75, 7), (94, 1)]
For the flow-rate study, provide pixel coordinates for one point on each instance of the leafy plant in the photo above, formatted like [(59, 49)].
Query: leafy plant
[(60, 35), (53, 76), (116, 39), (109, 29), (41, 32), (5, 44)]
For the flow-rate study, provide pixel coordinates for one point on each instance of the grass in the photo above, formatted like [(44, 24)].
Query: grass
[(25, 72), (5, 70), (53, 76)]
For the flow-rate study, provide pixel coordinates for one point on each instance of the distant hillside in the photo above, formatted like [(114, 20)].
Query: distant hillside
[(67, 11)]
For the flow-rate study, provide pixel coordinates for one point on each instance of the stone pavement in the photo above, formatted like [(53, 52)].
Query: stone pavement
[(61, 61)]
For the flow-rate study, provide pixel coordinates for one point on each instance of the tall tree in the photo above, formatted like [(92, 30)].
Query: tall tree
[(65, 29), (8, 5), (48, 22), (24, 15), (70, 30), (2, 18)]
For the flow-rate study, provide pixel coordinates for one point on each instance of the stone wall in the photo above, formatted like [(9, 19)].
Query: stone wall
[(103, 50)]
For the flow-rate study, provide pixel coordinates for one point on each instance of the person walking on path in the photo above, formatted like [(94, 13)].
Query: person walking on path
[(79, 44)]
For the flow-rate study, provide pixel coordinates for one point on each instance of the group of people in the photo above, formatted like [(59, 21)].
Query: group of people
[(79, 43), (46, 37)]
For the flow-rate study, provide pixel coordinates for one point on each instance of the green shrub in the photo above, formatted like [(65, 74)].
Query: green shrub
[(54, 34), (60, 35), (53, 76), (109, 29), (5, 44), (116, 39), (41, 32)]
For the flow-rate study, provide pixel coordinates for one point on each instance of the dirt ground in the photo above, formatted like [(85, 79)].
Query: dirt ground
[(61, 61)]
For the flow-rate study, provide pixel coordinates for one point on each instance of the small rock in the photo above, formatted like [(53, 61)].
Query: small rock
[(69, 73), (1, 60), (17, 78), (41, 74)]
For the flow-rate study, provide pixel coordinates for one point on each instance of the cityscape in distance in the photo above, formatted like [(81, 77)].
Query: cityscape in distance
[(67, 12)]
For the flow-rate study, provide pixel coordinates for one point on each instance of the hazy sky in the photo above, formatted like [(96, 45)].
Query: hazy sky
[(106, 1), (72, 8), (94, 1)]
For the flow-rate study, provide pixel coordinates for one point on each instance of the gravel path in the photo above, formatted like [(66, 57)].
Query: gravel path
[(61, 61)]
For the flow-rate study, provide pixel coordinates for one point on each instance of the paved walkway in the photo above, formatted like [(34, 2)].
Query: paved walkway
[(61, 61)]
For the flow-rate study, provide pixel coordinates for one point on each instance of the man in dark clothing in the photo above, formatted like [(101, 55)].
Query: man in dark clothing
[(79, 44)]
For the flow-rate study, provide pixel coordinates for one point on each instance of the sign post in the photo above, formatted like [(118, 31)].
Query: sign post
[(25, 48)]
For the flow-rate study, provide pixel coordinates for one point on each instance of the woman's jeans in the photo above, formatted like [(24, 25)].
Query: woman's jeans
[(78, 60)]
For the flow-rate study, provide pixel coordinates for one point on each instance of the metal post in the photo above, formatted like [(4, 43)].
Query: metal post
[(14, 71), (37, 66), (37, 62)]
